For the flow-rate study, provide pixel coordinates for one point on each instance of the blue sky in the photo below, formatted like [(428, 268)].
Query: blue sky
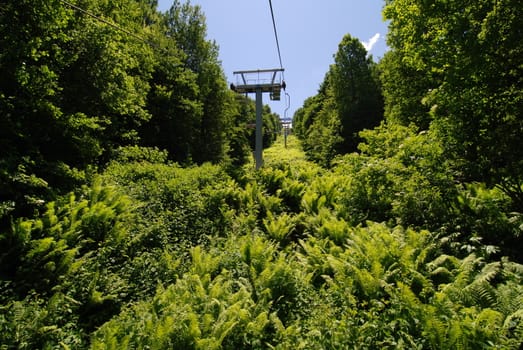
[(309, 33)]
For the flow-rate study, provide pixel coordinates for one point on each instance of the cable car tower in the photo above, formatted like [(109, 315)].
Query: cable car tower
[(258, 82)]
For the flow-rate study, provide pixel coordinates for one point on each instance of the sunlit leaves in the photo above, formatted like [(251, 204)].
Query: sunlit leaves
[(387, 249), (348, 101), (468, 67)]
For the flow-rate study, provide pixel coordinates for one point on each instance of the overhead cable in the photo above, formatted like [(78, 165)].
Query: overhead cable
[(276, 34), (90, 14)]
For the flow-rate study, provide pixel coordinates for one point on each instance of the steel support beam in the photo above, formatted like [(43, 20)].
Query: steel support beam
[(258, 152)]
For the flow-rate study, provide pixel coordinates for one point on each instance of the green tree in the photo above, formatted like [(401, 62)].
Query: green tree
[(317, 125), (304, 116), (271, 126), (109, 79), (404, 88), (356, 92), (72, 88), (349, 100), (186, 25), (33, 128), (174, 106), (243, 113), (324, 135), (476, 101)]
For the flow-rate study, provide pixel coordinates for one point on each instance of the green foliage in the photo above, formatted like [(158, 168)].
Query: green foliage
[(180, 206), (131, 154), (31, 120), (323, 137), (283, 154), (281, 261), (400, 176), (469, 69), (279, 228), (59, 266), (175, 109), (389, 248), (74, 89), (219, 311), (486, 222), (288, 182), (190, 104), (33, 323), (242, 112), (348, 101), (304, 116), (404, 88), (381, 293), (41, 252), (356, 94)]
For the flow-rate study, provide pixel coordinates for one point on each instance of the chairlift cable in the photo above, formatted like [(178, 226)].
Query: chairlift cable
[(279, 57), (276, 34), (113, 25)]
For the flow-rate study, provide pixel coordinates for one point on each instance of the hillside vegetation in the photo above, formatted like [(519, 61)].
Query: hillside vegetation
[(152, 255), (132, 216)]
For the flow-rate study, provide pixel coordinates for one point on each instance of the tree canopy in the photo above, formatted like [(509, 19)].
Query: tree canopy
[(131, 218), (81, 81), (467, 58), (348, 102)]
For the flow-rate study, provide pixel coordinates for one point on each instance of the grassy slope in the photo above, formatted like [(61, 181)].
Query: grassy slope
[(278, 152)]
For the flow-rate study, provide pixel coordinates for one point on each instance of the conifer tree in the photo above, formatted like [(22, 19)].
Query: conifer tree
[(357, 96)]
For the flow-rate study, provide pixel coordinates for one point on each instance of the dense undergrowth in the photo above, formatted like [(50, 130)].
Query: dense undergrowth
[(383, 250), (115, 232)]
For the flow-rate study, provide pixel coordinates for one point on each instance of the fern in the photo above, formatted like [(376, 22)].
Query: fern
[(312, 202), (435, 328), (488, 324), (510, 298), (197, 312), (513, 326), (279, 228), (337, 230), (292, 192)]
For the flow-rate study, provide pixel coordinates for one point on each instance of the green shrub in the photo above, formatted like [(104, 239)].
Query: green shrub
[(484, 223)]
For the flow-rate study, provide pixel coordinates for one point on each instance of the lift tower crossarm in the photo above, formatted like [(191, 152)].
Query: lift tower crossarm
[(259, 71), (267, 85)]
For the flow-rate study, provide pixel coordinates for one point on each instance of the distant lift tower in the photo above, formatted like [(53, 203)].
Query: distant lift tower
[(258, 82)]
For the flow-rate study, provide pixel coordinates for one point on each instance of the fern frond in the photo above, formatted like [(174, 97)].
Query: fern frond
[(480, 290), (488, 272), (512, 270), (280, 227), (448, 261), (482, 294), (513, 326), (510, 297)]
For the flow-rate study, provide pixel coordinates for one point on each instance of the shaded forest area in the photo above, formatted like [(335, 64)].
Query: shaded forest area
[(75, 90), (131, 217)]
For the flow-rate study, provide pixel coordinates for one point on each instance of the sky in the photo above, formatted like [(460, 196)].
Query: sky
[(308, 31)]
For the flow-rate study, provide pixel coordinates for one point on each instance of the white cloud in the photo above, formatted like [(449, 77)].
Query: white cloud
[(369, 44)]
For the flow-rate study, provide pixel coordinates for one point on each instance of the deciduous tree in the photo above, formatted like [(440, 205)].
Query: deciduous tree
[(474, 50)]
